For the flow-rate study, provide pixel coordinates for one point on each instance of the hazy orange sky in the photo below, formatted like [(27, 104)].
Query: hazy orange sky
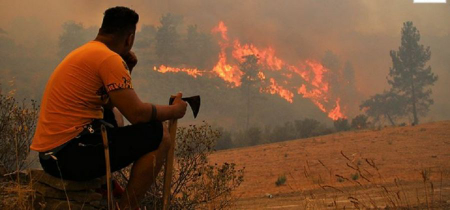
[(362, 31)]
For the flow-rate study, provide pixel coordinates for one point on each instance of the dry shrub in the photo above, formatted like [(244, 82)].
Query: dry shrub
[(196, 184), (281, 180), (341, 124), (17, 123), (15, 195), (360, 122)]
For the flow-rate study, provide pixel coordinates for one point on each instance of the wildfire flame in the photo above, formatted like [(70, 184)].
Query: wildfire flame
[(231, 74), (274, 88), (192, 72), (275, 75), (336, 113), (223, 29), (266, 57)]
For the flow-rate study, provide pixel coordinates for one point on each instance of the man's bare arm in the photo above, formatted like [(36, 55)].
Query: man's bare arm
[(129, 104)]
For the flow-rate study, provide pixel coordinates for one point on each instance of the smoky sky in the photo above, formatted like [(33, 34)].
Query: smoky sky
[(360, 31)]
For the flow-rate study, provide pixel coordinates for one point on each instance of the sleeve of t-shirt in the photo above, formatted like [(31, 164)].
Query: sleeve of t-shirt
[(114, 73)]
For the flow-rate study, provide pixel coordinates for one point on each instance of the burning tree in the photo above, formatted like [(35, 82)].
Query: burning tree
[(250, 69), (409, 77)]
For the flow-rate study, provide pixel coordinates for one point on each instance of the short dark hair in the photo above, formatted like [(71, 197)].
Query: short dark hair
[(119, 21)]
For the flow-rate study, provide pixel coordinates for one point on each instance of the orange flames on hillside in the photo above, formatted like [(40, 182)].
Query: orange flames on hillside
[(275, 75), (192, 72)]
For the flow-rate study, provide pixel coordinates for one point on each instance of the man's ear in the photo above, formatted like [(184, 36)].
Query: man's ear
[(130, 40)]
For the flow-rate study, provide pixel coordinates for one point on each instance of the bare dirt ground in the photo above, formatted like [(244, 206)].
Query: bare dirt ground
[(395, 167)]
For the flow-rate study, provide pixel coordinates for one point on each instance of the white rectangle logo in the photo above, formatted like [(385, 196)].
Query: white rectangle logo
[(430, 1)]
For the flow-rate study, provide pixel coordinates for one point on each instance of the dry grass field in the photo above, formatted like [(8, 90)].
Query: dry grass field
[(392, 167)]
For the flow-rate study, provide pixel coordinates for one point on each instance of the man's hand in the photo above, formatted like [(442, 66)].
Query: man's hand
[(131, 60), (179, 106)]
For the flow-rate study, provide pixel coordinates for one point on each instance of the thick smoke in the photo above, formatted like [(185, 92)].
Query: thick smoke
[(359, 32)]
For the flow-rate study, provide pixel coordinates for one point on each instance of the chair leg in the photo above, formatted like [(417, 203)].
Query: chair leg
[(108, 168)]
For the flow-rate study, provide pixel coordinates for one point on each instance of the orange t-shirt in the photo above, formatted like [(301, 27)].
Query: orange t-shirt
[(75, 93)]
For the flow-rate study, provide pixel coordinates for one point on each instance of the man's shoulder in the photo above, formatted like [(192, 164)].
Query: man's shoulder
[(99, 49), (94, 51)]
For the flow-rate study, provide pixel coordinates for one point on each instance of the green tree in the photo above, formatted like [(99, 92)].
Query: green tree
[(308, 127), (349, 74), (73, 36), (145, 37), (254, 136), (283, 132), (341, 79), (349, 90), (341, 124), (225, 141), (200, 50), (168, 40), (388, 105), (349, 94), (144, 45), (409, 76), (248, 137), (331, 61)]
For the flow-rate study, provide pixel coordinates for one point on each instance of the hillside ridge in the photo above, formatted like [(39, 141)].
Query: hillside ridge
[(399, 152)]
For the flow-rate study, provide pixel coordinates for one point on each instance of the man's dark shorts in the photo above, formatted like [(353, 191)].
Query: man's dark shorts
[(83, 158)]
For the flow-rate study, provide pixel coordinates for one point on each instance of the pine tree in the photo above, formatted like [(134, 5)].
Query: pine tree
[(199, 49), (409, 76), (168, 40)]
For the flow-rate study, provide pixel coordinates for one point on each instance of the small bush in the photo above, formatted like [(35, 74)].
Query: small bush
[(341, 125), (355, 176), (17, 123), (225, 141), (281, 180), (283, 132), (195, 182), (254, 135), (360, 122), (310, 127)]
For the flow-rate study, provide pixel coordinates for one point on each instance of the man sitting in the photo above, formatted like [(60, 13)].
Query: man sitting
[(93, 78)]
